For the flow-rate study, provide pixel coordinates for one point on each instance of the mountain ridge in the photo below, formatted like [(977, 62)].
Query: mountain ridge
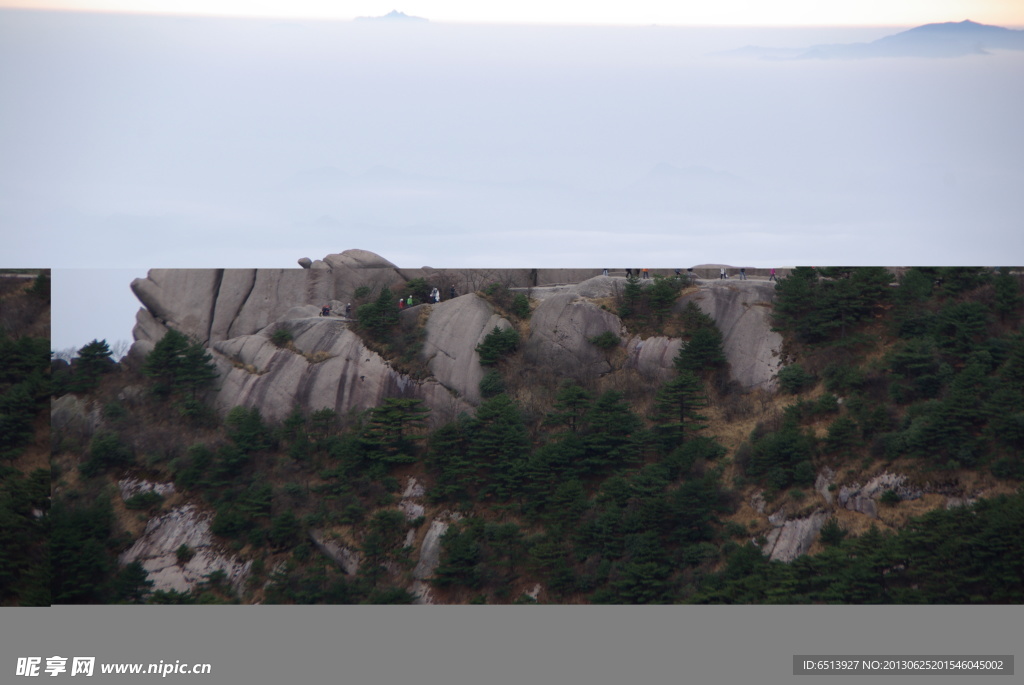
[(936, 40)]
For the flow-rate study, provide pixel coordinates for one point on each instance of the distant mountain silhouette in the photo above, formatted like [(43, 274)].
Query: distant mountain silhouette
[(393, 15), (950, 39)]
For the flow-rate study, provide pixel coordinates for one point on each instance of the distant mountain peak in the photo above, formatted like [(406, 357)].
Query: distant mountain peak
[(393, 15), (948, 39)]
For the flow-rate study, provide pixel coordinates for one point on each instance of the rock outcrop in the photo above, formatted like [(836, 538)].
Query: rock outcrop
[(345, 557), (561, 329), (864, 498), (742, 311), (211, 305), (453, 332), (157, 551), (130, 487), (234, 312), (430, 549), (326, 366), (411, 504), (789, 538), (654, 357), (71, 416)]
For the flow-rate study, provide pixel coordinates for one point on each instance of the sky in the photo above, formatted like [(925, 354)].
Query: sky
[(636, 12), (135, 142)]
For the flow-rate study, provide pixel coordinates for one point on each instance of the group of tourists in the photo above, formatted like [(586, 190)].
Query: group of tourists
[(743, 274), (640, 273), (403, 303), (326, 310), (435, 297), (722, 274)]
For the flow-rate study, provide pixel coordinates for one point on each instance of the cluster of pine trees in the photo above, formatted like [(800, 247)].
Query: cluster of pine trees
[(931, 369)]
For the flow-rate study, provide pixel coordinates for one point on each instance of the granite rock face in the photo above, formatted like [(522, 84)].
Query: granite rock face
[(157, 550), (430, 549), (742, 311), (561, 329), (453, 332), (327, 366), (789, 538), (654, 357), (211, 305)]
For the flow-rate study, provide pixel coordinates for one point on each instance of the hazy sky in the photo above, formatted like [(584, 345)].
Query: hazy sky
[(133, 142), (635, 12)]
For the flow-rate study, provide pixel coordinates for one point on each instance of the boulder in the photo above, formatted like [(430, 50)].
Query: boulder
[(452, 333), (182, 297), (599, 287), (211, 305), (654, 357), (742, 311), (358, 259), (560, 331), (147, 328)]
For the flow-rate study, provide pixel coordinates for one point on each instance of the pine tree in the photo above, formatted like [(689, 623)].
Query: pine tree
[(498, 443), (197, 370), (132, 584), (1008, 296), (632, 296), (662, 295), (378, 316), (704, 350), (387, 435), (613, 434), (796, 299), (461, 557), (246, 429), (496, 345), (571, 405), (842, 435), (447, 457), (677, 406), (93, 360), (179, 365)]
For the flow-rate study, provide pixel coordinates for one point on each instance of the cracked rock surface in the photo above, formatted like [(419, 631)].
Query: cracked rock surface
[(157, 550)]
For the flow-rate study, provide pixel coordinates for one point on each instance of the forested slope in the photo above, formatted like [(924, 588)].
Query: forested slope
[(604, 490), (24, 429)]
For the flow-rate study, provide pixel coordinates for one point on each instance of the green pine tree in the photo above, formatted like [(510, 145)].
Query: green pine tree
[(498, 444), (93, 360), (389, 432), (677, 410)]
